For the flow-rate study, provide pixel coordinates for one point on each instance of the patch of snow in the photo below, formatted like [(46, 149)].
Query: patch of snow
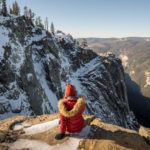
[(20, 126), (35, 37), (88, 67), (61, 36), (29, 76), (18, 102), (39, 128), (29, 144), (3, 19), (70, 144), (50, 56)]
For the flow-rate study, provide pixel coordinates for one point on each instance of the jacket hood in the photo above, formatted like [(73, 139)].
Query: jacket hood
[(74, 111)]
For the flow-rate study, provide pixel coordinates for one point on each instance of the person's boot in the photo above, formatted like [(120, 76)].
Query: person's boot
[(59, 136)]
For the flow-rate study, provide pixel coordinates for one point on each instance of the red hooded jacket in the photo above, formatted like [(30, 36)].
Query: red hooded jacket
[(71, 118), (71, 110)]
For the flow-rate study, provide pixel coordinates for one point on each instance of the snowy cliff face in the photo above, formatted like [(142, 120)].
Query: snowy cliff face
[(35, 67), (134, 53)]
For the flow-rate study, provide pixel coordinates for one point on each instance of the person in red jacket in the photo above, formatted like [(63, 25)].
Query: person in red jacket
[(71, 109)]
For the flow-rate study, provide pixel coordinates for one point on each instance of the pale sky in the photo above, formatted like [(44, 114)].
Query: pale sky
[(94, 18)]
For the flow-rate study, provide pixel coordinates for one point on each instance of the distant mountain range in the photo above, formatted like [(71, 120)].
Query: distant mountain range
[(135, 55)]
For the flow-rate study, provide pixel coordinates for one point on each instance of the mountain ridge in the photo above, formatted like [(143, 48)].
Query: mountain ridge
[(36, 65)]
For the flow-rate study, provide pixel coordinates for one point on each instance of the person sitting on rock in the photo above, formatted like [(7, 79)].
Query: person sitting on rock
[(71, 109)]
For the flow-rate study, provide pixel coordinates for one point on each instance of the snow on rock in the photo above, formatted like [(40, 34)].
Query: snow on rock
[(17, 104), (73, 142), (29, 144), (19, 126), (61, 36), (29, 76), (70, 144), (38, 128), (35, 37)]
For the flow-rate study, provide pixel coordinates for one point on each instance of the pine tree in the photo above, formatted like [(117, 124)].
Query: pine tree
[(46, 24), (30, 15), (84, 43), (38, 22), (4, 8), (26, 11), (52, 28), (16, 9)]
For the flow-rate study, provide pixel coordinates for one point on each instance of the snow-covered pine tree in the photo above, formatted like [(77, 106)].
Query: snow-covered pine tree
[(46, 24), (84, 43), (52, 28), (31, 15), (25, 11)]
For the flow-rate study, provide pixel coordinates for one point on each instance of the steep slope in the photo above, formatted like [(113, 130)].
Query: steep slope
[(36, 65), (39, 133), (134, 53)]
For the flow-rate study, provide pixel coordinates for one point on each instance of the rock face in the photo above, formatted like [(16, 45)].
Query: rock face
[(39, 133), (36, 65), (134, 53)]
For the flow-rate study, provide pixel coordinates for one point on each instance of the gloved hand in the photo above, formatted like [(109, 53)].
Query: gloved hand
[(59, 136)]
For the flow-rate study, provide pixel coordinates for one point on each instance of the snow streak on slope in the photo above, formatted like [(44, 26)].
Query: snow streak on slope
[(38, 128), (50, 96), (35, 37)]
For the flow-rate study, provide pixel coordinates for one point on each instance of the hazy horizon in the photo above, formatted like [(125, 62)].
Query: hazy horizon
[(94, 18), (114, 37)]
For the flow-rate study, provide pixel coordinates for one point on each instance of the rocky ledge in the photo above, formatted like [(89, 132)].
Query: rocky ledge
[(38, 132)]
